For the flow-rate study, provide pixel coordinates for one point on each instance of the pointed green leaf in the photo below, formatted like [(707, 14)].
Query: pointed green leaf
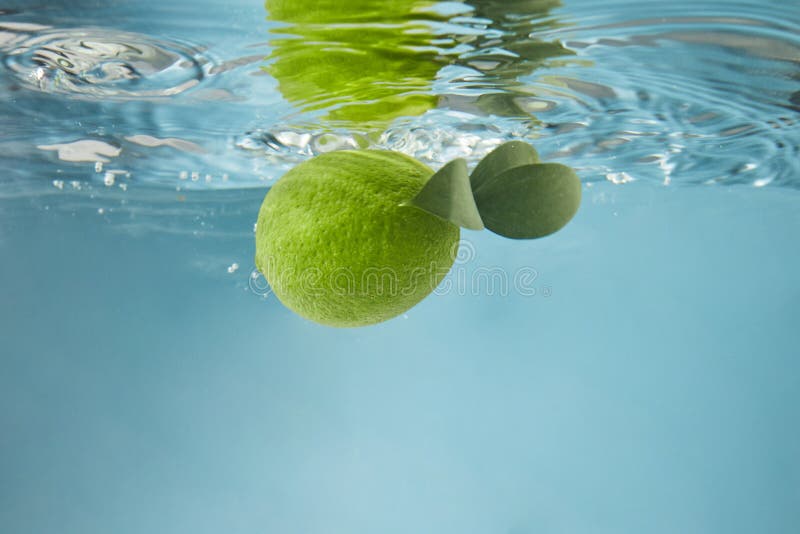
[(448, 195), (506, 156), (530, 201)]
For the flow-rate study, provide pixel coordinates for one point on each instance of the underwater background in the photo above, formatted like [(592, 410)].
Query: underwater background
[(635, 372)]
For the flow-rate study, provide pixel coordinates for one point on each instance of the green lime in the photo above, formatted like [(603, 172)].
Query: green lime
[(338, 247)]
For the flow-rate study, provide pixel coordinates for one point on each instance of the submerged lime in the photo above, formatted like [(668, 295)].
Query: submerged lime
[(338, 244)]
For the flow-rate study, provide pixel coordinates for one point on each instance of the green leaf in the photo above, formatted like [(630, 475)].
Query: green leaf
[(448, 195), (530, 201), (506, 156)]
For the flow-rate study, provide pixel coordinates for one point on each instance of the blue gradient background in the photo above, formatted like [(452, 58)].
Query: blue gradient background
[(655, 389)]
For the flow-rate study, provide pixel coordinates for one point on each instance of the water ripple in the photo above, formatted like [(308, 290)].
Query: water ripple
[(626, 92), (100, 63), (614, 89), (702, 99)]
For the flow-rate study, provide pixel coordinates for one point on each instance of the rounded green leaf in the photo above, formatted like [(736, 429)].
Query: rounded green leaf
[(530, 201), (448, 195), (505, 157)]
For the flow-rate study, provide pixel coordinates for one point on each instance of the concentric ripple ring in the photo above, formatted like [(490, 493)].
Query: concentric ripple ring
[(101, 63)]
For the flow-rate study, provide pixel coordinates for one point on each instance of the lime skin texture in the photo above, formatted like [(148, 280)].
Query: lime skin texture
[(339, 247)]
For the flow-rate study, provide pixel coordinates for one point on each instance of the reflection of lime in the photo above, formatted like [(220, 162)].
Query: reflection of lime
[(338, 248), (366, 62)]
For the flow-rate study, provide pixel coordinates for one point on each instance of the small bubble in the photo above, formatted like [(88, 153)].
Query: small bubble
[(233, 268), (98, 166), (109, 179), (208, 178), (101, 211), (195, 176), (184, 175), (619, 177), (38, 74), (75, 184), (124, 187), (58, 184)]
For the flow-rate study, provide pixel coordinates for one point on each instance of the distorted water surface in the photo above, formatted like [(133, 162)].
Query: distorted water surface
[(638, 371)]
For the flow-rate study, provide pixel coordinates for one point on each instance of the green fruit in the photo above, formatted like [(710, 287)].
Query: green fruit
[(337, 246)]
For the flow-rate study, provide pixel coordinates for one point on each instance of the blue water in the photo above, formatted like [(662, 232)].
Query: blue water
[(643, 376)]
